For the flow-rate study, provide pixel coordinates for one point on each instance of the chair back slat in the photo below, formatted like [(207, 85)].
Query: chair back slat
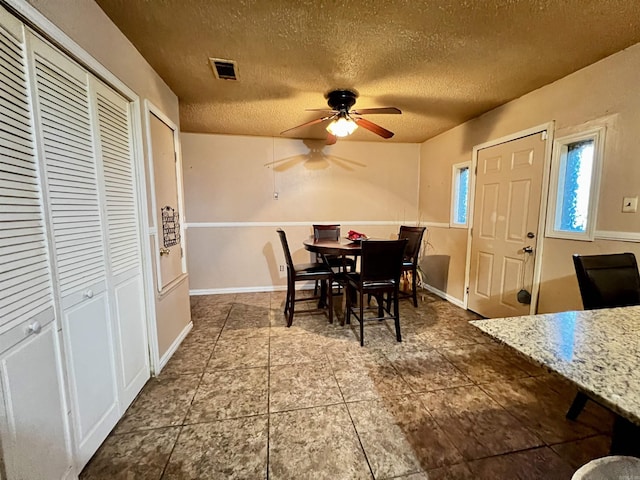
[(414, 240), (606, 281), (285, 248), (326, 232), (382, 260)]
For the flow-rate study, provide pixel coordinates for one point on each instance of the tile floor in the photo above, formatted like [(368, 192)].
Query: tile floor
[(245, 397)]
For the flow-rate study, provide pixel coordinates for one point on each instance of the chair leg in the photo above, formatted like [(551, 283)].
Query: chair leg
[(315, 289), (293, 303), (576, 407), (415, 286), (347, 305), (396, 314), (330, 295), (286, 303), (361, 319)]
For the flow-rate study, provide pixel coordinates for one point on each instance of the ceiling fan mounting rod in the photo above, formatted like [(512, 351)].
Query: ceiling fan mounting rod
[(341, 100)]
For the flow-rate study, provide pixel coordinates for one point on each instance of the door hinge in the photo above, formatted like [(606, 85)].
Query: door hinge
[(467, 290), (181, 252), (543, 135)]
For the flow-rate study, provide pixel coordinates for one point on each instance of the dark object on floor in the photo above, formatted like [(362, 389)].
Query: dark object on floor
[(412, 252), (381, 265), (305, 272)]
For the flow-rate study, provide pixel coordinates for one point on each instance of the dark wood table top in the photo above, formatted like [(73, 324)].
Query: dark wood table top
[(332, 247)]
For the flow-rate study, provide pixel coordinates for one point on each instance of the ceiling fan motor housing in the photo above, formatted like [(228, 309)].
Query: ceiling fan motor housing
[(341, 100)]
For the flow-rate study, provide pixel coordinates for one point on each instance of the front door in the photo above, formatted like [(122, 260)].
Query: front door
[(505, 226)]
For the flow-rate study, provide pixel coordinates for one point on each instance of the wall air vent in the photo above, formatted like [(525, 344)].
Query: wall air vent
[(224, 69)]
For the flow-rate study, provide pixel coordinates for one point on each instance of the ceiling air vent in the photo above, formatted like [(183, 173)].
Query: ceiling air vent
[(224, 69)]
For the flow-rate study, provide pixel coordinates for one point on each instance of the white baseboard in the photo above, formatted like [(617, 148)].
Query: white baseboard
[(174, 346), (220, 291), (456, 301)]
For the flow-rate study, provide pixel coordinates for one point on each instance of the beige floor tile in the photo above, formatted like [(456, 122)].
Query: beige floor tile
[(228, 449), (536, 406), (229, 394), (240, 353), (191, 357), (163, 402), (287, 350), (477, 425), (246, 320), (399, 437), (318, 443), (302, 386), (486, 363), (537, 464), (138, 455), (425, 370), (368, 378), (452, 472), (582, 451)]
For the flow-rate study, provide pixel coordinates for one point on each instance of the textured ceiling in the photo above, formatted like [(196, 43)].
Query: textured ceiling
[(441, 62)]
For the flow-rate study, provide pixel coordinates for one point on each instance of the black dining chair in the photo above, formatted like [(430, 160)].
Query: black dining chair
[(305, 272), (605, 281), (336, 262), (411, 254), (380, 270)]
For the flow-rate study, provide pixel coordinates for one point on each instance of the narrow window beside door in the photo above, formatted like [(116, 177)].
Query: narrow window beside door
[(574, 185), (460, 195)]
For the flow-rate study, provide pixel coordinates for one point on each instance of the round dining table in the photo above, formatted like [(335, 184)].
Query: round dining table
[(342, 247)]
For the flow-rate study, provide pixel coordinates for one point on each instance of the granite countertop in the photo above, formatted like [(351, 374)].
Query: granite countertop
[(598, 350)]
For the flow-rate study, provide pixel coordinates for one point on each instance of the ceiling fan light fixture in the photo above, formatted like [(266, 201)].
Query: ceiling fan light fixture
[(342, 127)]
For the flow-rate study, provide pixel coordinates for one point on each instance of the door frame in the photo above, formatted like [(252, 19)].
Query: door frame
[(154, 230), (542, 220)]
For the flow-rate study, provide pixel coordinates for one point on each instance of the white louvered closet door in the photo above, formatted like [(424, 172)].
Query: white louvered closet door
[(63, 116), (33, 416), (126, 287)]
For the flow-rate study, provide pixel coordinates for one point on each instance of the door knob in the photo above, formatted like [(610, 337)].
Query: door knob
[(527, 249), (164, 251), (34, 328)]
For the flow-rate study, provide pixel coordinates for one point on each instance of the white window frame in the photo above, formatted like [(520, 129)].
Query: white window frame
[(455, 176), (557, 161)]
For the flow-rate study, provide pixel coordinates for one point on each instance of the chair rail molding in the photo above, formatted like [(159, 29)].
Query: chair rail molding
[(633, 237), (295, 224)]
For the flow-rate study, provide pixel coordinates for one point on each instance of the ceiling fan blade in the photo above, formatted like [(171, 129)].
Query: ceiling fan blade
[(372, 127), (331, 139), (312, 122), (369, 111), (332, 112)]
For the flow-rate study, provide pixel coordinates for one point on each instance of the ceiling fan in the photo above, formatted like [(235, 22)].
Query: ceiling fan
[(343, 120)]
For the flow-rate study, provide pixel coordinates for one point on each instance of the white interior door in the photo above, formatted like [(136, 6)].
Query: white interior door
[(33, 414), (64, 118), (126, 286), (505, 226), (165, 173)]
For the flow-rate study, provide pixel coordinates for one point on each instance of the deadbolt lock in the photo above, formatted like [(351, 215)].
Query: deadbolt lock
[(531, 235)]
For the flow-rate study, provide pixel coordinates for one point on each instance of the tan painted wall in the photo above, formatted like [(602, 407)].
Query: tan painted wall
[(85, 23), (607, 89), (233, 179)]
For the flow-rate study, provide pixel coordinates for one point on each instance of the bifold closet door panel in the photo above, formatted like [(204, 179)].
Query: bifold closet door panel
[(34, 421), (33, 415), (64, 125), (114, 132)]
